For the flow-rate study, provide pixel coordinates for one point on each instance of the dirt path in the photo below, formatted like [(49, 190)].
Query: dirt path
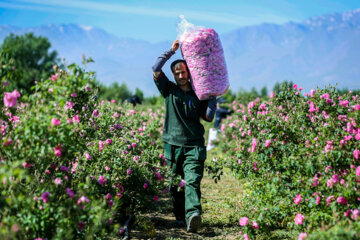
[(220, 204)]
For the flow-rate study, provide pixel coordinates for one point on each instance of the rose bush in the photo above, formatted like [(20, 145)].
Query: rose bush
[(71, 166), (298, 154)]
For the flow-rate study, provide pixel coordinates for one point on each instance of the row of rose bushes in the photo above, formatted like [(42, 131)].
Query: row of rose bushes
[(72, 167), (299, 155)]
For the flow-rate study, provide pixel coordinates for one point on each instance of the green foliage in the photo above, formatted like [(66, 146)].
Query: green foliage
[(263, 92), (155, 101), (139, 93), (344, 230), (30, 59), (278, 87), (93, 161), (294, 146), (346, 91), (244, 96)]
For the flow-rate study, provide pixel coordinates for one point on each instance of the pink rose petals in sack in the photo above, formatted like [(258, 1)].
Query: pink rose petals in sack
[(202, 50)]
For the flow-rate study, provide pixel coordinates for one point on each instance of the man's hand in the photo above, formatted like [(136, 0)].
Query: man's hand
[(175, 45)]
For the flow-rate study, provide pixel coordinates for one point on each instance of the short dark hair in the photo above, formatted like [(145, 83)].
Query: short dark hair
[(173, 64)]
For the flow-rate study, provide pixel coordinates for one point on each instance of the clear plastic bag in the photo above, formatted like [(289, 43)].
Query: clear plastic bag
[(202, 50)]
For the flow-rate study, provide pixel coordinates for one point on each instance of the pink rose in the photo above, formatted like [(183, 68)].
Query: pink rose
[(101, 146), (156, 198), (70, 193), (82, 199), (342, 200), (262, 106), (69, 105), (356, 153), (254, 144), (81, 225), (182, 183), (102, 180), (158, 175), (54, 77), (355, 214), (58, 150), (76, 119), (10, 99), (255, 166), (145, 185), (58, 181), (357, 136), (243, 221), (255, 225), (344, 103), (315, 181), (45, 197), (302, 236), (55, 121), (95, 113), (26, 165), (335, 178), (108, 141), (267, 143), (299, 218), (297, 199), (88, 156), (312, 92), (358, 171), (329, 199)]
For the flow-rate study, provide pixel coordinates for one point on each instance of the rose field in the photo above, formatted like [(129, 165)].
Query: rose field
[(76, 167), (299, 156)]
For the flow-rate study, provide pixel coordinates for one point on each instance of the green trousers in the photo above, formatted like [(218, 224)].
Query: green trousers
[(187, 162)]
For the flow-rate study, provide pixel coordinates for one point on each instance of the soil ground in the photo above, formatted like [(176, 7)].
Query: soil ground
[(220, 202)]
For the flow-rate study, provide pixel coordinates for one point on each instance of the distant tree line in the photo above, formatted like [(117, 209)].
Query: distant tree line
[(30, 60)]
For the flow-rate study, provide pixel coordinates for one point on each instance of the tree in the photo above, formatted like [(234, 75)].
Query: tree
[(279, 86), (263, 92), (139, 93), (32, 59), (229, 96), (114, 91), (254, 92)]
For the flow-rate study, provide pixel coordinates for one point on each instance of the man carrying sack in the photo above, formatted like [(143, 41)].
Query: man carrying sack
[(183, 137)]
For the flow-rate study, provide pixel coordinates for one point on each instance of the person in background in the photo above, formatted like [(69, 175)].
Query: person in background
[(221, 113), (183, 137), (134, 100)]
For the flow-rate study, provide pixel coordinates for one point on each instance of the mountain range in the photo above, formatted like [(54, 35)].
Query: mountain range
[(320, 51)]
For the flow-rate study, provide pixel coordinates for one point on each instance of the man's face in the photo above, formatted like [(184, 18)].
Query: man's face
[(181, 74)]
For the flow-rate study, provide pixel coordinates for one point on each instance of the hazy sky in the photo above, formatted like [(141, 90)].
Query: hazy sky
[(156, 20)]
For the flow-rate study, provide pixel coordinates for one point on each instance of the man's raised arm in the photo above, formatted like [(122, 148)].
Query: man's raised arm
[(161, 60)]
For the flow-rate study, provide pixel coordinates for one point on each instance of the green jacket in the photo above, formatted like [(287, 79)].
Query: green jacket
[(183, 112)]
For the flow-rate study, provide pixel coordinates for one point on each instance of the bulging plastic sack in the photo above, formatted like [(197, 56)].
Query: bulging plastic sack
[(202, 50)]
